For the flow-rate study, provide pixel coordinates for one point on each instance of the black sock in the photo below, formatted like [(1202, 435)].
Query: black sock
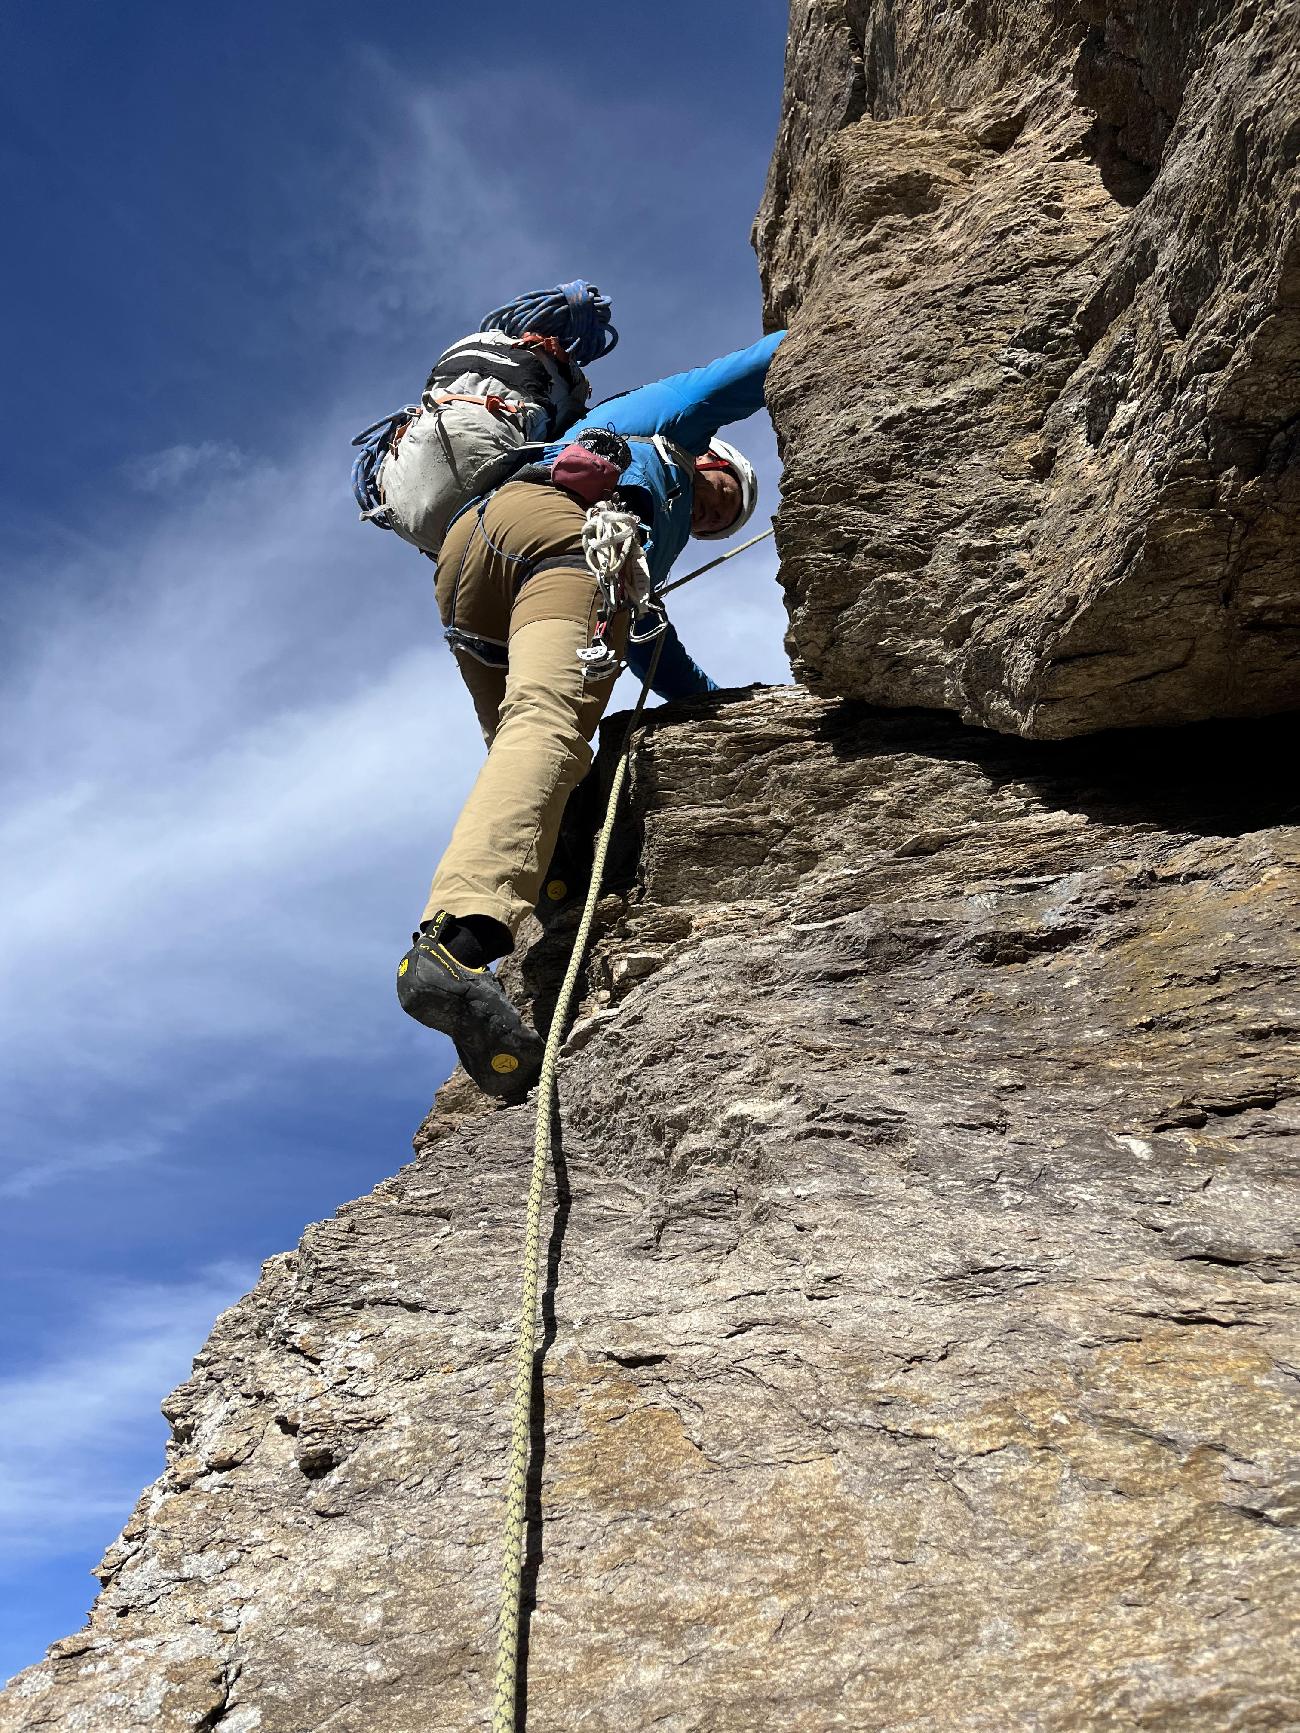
[(475, 940)]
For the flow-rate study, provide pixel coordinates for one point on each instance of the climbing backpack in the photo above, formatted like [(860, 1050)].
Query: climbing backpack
[(490, 402)]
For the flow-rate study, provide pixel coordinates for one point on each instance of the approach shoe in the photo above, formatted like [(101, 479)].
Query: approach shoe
[(494, 1044)]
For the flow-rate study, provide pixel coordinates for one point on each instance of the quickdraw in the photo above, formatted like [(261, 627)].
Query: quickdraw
[(615, 556)]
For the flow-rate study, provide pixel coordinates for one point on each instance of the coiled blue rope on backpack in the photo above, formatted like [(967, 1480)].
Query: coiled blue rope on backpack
[(376, 442), (576, 313)]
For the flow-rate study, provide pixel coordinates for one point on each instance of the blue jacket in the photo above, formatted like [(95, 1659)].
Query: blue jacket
[(685, 411)]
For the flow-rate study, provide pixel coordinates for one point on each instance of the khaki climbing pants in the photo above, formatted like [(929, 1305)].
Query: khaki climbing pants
[(537, 705)]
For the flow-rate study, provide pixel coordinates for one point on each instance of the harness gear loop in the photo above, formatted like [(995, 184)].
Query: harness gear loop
[(505, 1693)]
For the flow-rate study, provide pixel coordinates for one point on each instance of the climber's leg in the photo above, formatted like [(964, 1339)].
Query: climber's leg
[(569, 871), (505, 836), (487, 688), (479, 588), (539, 746)]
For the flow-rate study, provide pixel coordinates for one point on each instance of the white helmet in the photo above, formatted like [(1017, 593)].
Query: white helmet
[(728, 457)]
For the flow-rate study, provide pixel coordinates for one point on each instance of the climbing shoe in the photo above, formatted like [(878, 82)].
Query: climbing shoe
[(495, 1045)]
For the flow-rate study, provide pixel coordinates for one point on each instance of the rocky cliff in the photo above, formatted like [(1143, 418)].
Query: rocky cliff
[(921, 1297), (1041, 403), (920, 1310)]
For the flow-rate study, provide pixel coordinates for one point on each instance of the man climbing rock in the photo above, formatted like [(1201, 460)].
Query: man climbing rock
[(519, 603)]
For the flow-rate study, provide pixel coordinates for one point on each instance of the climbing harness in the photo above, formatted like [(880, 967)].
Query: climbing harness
[(506, 1688), (576, 313)]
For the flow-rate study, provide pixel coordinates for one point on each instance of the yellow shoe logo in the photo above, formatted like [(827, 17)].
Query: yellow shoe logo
[(504, 1063), (557, 890), (403, 966)]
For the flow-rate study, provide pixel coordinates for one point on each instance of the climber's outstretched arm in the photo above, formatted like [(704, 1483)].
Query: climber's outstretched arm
[(689, 408)]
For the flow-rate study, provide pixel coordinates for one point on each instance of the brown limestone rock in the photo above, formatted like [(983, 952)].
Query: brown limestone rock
[(921, 1303), (1040, 407)]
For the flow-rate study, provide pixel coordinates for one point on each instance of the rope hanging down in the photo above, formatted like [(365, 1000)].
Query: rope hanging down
[(505, 1692), (506, 1688), (576, 313)]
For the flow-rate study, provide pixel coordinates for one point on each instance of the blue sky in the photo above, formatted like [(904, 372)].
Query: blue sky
[(231, 741)]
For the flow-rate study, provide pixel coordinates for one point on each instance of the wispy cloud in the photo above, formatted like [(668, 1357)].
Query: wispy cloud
[(426, 214), (222, 824), (176, 464)]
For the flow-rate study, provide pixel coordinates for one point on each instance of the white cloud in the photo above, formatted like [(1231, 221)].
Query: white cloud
[(78, 1432), (66, 1145), (224, 785), (206, 461)]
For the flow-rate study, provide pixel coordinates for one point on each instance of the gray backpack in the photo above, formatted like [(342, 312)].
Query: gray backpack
[(489, 402)]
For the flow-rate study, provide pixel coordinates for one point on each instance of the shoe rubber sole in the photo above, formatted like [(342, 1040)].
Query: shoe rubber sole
[(496, 1047)]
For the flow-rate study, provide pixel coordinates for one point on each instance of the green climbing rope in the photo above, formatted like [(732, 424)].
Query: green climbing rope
[(505, 1693)]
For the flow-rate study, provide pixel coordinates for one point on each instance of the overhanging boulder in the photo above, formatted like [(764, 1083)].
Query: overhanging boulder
[(1040, 403)]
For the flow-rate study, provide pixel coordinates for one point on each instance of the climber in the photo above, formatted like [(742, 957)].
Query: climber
[(519, 604)]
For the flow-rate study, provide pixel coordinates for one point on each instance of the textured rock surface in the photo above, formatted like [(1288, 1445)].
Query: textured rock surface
[(922, 1282), (921, 1314), (1041, 406)]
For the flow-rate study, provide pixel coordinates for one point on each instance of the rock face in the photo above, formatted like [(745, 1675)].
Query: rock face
[(1040, 406), (920, 1315)]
